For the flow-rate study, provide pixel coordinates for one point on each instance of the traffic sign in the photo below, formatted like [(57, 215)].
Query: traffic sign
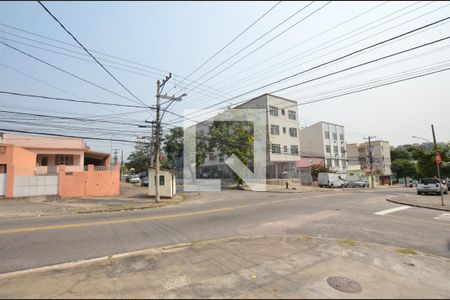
[(438, 158)]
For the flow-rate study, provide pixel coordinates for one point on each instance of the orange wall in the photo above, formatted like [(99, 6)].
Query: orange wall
[(90, 183)]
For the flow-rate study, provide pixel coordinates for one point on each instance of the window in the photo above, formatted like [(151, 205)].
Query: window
[(61, 159), (42, 160), (341, 136), (343, 150), (284, 130), (335, 149), (291, 115), (334, 136), (282, 112), (285, 149), (293, 131), (221, 158), (212, 156), (336, 162), (161, 180), (344, 164), (328, 162), (328, 149), (276, 148), (274, 129), (327, 134), (273, 111), (294, 149)]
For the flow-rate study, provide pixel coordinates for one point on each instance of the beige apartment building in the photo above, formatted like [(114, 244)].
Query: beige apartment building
[(358, 154), (283, 149)]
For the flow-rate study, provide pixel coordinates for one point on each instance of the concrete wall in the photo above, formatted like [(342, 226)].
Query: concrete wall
[(312, 141), (25, 186), (89, 183)]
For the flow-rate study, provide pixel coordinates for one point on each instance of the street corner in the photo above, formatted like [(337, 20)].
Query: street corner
[(246, 267)]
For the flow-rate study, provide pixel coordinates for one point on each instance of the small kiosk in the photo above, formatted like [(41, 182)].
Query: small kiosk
[(167, 182)]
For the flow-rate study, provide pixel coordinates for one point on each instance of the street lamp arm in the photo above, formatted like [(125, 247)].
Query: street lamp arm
[(418, 137)]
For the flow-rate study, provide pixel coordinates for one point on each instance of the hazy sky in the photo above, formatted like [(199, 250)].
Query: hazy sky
[(178, 37)]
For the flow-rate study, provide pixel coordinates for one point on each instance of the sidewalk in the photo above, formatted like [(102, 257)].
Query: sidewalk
[(247, 267), (426, 201), (132, 197)]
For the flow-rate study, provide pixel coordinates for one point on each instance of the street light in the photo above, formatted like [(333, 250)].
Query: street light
[(418, 137)]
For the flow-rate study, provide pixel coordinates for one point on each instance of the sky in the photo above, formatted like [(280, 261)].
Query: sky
[(152, 39)]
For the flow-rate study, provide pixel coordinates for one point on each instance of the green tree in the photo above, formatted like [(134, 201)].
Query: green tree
[(316, 169), (426, 163), (230, 137), (403, 168), (399, 153), (140, 158)]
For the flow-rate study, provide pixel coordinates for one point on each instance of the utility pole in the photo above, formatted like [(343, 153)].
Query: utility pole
[(371, 161), (437, 164), (157, 124), (115, 158), (121, 165)]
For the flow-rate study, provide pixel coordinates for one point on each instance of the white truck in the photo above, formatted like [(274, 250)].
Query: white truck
[(330, 179)]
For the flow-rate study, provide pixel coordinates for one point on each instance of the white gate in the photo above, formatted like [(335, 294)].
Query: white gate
[(2, 184)]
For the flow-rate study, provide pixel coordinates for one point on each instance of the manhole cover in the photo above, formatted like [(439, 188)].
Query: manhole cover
[(343, 284)]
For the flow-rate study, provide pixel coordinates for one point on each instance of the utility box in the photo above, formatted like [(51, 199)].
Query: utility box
[(167, 183)]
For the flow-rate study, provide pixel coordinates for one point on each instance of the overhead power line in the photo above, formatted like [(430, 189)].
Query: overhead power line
[(67, 136), (87, 51), (70, 100)]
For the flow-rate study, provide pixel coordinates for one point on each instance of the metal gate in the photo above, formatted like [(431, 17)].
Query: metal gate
[(2, 180)]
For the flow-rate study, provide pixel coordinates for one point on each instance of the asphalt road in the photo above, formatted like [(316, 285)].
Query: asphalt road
[(34, 242)]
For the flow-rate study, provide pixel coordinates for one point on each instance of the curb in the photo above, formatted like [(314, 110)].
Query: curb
[(417, 205)]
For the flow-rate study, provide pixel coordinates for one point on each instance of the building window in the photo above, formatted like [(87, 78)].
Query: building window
[(293, 132), (291, 115), (341, 136), (61, 159), (335, 149), (343, 150), (328, 148), (42, 160), (344, 164), (274, 129), (161, 180), (336, 163), (334, 136), (285, 149), (284, 130), (276, 148), (282, 112), (328, 162), (212, 156), (220, 158), (294, 149), (327, 134), (273, 111)]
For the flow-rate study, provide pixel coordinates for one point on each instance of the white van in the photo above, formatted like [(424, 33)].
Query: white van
[(330, 179)]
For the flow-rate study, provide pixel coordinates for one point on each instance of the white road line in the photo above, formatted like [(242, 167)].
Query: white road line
[(391, 210), (444, 217)]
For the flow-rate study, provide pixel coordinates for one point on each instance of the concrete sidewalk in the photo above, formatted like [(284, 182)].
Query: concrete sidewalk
[(425, 201), (246, 267), (132, 197)]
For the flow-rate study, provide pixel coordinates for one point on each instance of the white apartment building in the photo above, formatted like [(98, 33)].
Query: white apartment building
[(283, 149), (381, 155), (327, 141)]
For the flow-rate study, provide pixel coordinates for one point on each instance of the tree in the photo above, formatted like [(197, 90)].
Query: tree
[(316, 169), (426, 163), (399, 153), (404, 168), (140, 158), (230, 137)]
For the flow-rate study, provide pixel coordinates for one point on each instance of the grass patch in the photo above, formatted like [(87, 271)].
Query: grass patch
[(406, 251), (348, 242), (304, 238)]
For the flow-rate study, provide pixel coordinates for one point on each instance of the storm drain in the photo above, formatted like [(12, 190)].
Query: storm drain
[(344, 284)]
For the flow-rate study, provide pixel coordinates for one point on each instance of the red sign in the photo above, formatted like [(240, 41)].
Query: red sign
[(438, 158)]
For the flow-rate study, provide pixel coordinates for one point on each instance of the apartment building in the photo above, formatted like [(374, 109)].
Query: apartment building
[(283, 149), (327, 141), (359, 154)]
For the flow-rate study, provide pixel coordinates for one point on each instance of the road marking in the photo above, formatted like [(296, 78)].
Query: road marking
[(444, 217), (418, 220), (391, 210), (80, 225)]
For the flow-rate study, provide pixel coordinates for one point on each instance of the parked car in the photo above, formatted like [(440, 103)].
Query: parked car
[(361, 183), (412, 183), (431, 186), (144, 181), (135, 179), (337, 183), (127, 177)]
